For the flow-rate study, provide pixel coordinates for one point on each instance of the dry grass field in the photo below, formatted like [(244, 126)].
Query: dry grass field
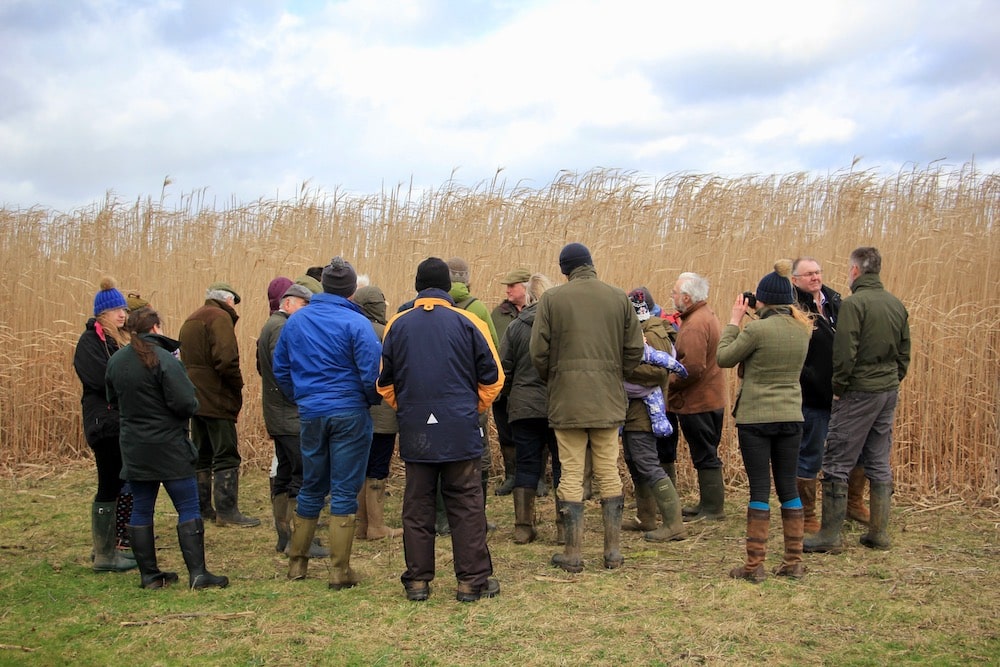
[(936, 229), (931, 600)]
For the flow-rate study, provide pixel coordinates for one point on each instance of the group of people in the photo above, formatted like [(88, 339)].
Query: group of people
[(567, 371)]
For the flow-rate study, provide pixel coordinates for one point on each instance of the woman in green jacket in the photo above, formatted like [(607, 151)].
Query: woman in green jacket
[(156, 399), (770, 351)]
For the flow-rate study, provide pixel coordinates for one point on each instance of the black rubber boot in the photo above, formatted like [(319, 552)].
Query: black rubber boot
[(205, 495), (107, 557), (191, 536), (572, 516), (144, 548), (877, 536), (227, 493), (828, 539), (611, 508), (713, 496)]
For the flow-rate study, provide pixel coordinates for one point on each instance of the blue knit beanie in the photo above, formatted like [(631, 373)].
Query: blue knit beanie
[(108, 298)]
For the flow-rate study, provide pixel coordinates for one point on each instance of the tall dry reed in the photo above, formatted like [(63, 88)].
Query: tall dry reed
[(935, 228)]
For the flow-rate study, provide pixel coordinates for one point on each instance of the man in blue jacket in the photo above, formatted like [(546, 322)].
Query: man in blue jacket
[(440, 371), (326, 361)]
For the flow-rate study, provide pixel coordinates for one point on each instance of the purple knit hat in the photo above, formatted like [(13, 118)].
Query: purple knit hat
[(275, 290)]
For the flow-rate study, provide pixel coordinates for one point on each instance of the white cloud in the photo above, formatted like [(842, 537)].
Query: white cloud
[(254, 97)]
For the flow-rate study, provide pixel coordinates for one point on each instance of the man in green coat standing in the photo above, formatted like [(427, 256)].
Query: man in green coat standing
[(871, 354), (585, 340)]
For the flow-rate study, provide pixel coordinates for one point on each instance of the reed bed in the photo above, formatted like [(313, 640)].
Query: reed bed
[(935, 228)]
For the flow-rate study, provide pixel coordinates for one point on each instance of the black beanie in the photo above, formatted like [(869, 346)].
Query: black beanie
[(433, 272), (573, 256), (339, 278), (775, 289)]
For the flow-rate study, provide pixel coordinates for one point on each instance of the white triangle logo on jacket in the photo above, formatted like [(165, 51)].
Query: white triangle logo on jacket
[(432, 419)]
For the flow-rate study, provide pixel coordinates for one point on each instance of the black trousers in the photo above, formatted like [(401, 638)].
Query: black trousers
[(462, 490), (703, 432), (768, 448)]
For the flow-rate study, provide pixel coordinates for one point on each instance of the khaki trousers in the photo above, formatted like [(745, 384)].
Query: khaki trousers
[(573, 453)]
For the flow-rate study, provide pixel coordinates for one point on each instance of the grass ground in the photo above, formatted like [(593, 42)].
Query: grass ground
[(933, 599)]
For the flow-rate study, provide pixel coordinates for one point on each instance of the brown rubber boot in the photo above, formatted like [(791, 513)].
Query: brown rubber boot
[(757, 526), (341, 542), (791, 562), (303, 531), (807, 494), (645, 511), (316, 550), (856, 510), (375, 505), (524, 515)]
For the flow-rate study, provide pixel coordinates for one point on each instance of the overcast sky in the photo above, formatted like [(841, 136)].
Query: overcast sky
[(251, 98)]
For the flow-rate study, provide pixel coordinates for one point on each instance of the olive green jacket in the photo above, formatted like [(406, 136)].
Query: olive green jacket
[(647, 375), (585, 340), (871, 349), (771, 350)]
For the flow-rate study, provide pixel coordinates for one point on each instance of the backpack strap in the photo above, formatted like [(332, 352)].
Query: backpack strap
[(465, 303)]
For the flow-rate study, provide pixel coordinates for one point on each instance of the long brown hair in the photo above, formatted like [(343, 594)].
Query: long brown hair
[(139, 322)]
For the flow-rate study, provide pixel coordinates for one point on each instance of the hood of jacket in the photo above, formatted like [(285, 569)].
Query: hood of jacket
[(371, 300)]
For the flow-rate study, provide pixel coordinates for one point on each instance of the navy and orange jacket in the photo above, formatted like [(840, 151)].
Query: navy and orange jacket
[(440, 369)]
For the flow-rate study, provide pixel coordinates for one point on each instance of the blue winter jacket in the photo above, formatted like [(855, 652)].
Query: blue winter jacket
[(440, 370), (327, 358)]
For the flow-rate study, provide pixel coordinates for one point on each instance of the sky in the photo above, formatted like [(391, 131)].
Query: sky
[(257, 99)]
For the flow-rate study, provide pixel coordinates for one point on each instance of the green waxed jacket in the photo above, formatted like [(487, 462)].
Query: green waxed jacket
[(772, 350), (156, 404), (585, 340), (371, 300), (871, 349), (463, 299)]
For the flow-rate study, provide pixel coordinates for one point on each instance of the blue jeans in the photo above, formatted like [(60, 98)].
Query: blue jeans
[(814, 430), (183, 493), (334, 458)]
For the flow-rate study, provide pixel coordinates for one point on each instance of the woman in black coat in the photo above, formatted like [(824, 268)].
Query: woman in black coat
[(156, 399), (103, 337)]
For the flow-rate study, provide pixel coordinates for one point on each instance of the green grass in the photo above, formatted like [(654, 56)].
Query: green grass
[(932, 600)]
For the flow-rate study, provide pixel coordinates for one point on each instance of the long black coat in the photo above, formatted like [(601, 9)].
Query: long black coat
[(90, 360), (816, 379), (156, 404)]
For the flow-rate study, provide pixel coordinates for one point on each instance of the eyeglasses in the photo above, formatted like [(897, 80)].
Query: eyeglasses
[(810, 274)]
